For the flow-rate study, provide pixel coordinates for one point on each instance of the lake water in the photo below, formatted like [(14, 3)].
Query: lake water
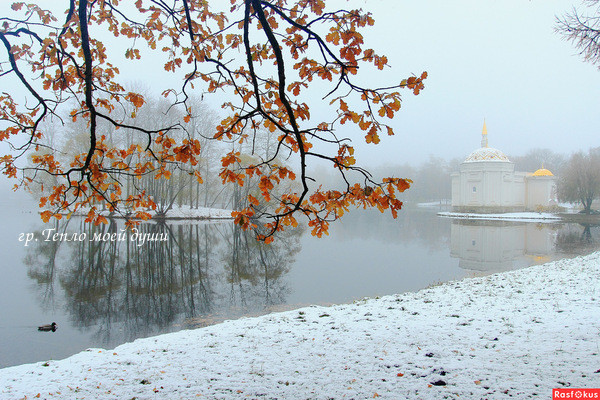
[(102, 293)]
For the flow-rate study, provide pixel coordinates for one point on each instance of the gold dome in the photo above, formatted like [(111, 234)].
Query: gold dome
[(543, 172)]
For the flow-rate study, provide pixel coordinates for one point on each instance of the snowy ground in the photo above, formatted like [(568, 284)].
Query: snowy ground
[(435, 204), (516, 334), (185, 212), (518, 216)]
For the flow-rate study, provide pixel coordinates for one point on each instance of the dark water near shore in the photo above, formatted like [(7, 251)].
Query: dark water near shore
[(106, 292)]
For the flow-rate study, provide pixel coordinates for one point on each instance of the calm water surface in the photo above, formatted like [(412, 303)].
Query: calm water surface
[(104, 293)]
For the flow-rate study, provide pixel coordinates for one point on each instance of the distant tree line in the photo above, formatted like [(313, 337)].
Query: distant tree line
[(578, 175), (69, 138)]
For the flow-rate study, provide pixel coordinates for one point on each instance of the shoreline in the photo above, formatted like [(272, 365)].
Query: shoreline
[(515, 334), (174, 214), (592, 219), (517, 216)]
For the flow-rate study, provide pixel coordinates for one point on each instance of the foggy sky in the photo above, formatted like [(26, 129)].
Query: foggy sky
[(499, 60)]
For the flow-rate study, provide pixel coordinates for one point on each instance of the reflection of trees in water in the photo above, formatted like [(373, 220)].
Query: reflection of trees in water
[(41, 260), (578, 239), (198, 270), (253, 270)]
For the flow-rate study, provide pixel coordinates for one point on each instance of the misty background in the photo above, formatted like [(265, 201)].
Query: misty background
[(492, 60)]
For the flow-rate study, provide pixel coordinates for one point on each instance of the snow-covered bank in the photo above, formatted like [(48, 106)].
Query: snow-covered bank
[(518, 216), (512, 335), (176, 212), (435, 204), (186, 212)]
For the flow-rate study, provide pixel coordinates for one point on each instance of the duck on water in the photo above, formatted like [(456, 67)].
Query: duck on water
[(48, 328)]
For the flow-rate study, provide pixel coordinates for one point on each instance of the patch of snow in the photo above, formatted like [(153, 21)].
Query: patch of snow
[(432, 204), (516, 334), (198, 213), (571, 208), (519, 216), (184, 212)]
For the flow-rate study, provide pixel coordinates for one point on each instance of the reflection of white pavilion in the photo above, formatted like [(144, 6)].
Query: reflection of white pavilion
[(497, 246), (487, 182)]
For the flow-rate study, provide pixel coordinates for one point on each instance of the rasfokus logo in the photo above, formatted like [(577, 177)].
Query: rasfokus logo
[(575, 394)]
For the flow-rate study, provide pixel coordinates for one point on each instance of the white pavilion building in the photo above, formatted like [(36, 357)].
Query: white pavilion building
[(488, 183)]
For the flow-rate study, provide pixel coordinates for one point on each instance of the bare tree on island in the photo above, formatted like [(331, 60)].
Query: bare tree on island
[(275, 61), (583, 30), (580, 182)]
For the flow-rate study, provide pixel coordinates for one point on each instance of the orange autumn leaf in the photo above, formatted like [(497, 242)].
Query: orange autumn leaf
[(135, 99), (46, 215), (252, 200)]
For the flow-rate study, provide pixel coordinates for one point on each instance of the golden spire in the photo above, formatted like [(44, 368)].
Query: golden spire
[(484, 139)]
